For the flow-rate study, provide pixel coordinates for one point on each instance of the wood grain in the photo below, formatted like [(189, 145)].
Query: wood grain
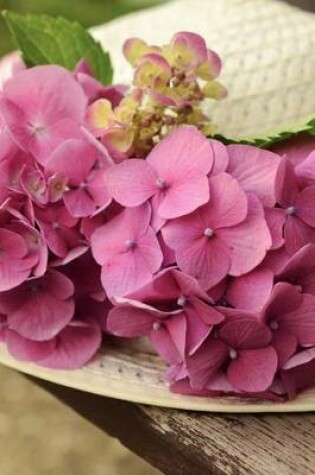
[(190, 443)]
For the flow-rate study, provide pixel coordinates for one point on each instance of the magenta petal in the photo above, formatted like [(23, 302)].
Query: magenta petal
[(205, 363), (75, 346), (253, 370), (27, 350), (255, 169), (245, 333), (197, 331), (300, 358), (284, 298), (209, 315), (251, 291), (248, 241), (301, 321), (165, 346), (305, 204), (285, 343), (131, 182), (286, 184), (306, 167), (296, 234), (275, 219), (130, 322)]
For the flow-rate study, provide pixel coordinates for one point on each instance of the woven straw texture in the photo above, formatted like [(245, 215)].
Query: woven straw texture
[(268, 50)]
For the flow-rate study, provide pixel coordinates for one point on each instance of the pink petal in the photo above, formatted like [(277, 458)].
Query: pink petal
[(286, 184), (255, 169), (207, 261), (183, 152), (129, 322), (165, 346), (299, 270), (251, 291), (76, 345), (197, 331), (129, 271), (301, 358), (253, 370), (27, 350), (284, 298), (184, 195), (205, 363), (248, 241), (221, 157), (79, 203), (295, 149), (228, 202), (128, 225), (306, 168), (209, 315), (301, 321), (74, 159), (245, 333), (285, 344), (305, 204), (131, 182), (297, 234), (275, 219)]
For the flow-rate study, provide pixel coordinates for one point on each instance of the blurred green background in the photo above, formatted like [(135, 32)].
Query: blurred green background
[(87, 12)]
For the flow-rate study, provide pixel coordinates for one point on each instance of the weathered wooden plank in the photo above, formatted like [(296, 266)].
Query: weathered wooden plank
[(188, 443)]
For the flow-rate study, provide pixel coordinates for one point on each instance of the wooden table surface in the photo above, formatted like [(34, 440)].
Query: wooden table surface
[(188, 443)]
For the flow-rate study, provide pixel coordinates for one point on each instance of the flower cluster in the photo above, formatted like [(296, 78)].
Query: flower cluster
[(170, 84), (212, 259), (205, 249)]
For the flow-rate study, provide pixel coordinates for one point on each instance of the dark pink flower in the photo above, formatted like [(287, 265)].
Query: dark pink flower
[(228, 235), (298, 372), (290, 316), (298, 207), (39, 308), (59, 229), (128, 251), (76, 344), (37, 117), (242, 347), (84, 184), (175, 173), (16, 260), (172, 303), (299, 269)]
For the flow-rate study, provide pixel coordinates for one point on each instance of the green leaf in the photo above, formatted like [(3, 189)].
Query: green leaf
[(47, 40), (306, 125)]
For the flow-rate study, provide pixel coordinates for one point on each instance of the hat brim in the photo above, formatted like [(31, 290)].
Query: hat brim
[(129, 374)]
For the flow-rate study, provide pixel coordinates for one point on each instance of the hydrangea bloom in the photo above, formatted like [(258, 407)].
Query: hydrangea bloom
[(118, 215)]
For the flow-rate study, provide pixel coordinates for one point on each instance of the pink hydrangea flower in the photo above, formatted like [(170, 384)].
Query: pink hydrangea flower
[(297, 207), (291, 317), (299, 269), (128, 251), (39, 308), (73, 347), (150, 312), (38, 118), (84, 184), (242, 346), (228, 235), (298, 372), (174, 173)]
